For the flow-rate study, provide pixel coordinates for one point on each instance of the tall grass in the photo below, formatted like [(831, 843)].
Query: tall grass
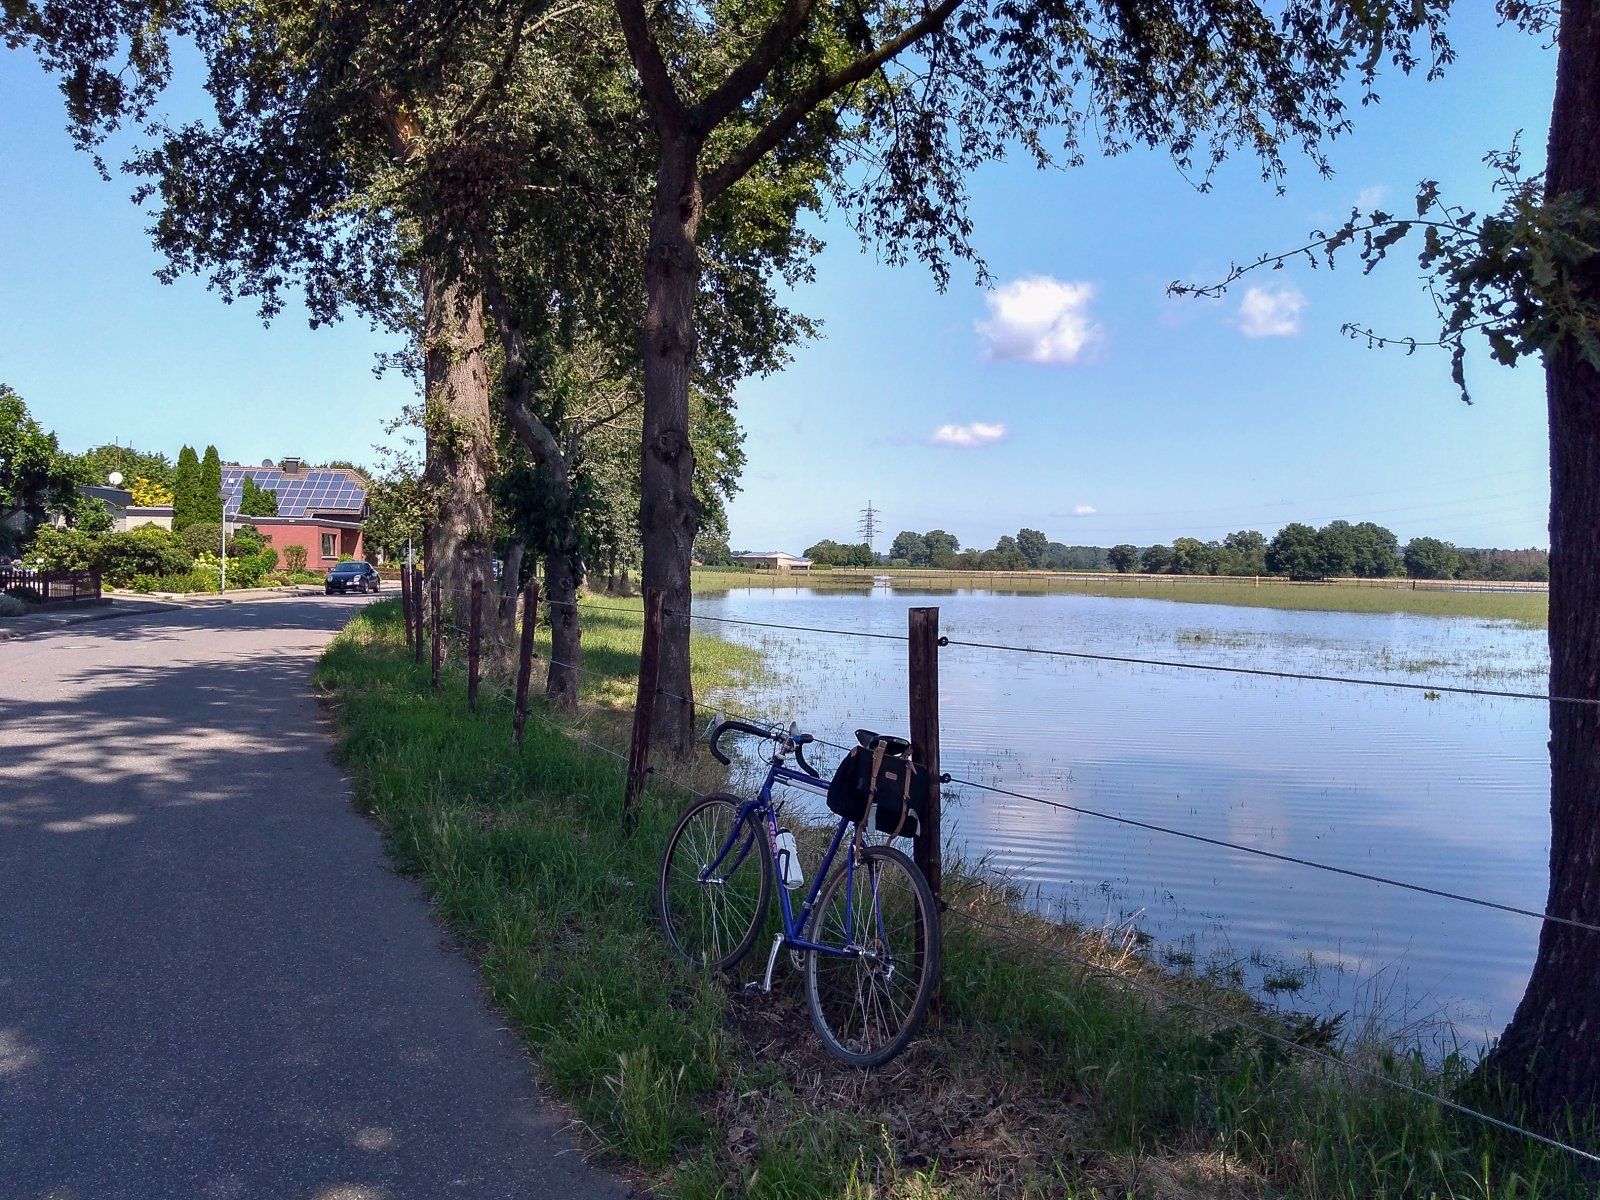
[(1526, 608), (1041, 1077)]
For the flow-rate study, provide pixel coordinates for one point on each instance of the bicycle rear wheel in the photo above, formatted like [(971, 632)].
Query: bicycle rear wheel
[(866, 1006), (713, 922)]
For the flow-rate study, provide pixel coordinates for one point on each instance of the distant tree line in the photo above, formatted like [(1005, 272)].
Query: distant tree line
[(1339, 549), (1027, 550), (829, 553)]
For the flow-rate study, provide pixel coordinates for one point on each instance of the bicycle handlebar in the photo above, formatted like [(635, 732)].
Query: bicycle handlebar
[(800, 756), (734, 727), (796, 743)]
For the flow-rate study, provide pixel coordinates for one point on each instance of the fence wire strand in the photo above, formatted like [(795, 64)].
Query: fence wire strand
[(1134, 660), (1444, 688), (1424, 889)]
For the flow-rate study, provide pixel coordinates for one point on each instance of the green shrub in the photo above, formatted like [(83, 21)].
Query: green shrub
[(203, 537), (24, 594), (200, 580), (294, 558), (63, 549), (147, 550), (10, 606), (245, 572), (246, 540)]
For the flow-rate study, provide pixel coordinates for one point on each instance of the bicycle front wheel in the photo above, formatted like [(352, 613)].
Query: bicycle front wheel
[(712, 908), (867, 1004)]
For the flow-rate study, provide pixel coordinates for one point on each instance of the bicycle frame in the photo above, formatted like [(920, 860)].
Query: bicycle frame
[(762, 810)]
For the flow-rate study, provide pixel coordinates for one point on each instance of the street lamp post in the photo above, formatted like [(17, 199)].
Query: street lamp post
[(223, 589)]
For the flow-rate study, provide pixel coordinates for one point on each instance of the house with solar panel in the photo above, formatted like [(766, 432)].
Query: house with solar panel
[(320, 508)]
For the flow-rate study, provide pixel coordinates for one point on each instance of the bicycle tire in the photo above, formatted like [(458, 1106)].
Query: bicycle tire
[(832, 1015), (699, 835)]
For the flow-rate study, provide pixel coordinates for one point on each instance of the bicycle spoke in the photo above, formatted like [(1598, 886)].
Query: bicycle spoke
[(867, 999), (711, 919)]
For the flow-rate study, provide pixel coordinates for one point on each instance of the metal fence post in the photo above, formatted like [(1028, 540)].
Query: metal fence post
[(474, 636), (644, 706), (435, 620), (530, 619), (923, 661)]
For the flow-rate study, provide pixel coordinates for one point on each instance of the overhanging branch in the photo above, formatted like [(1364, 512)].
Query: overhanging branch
[(738, 164)]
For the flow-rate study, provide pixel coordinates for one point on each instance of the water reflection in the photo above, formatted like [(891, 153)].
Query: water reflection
[(1448, 792)]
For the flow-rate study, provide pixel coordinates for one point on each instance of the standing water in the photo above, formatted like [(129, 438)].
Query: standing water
[(1446, 791)]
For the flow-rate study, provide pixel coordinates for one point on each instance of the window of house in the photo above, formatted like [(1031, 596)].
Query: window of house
[(330, 545)]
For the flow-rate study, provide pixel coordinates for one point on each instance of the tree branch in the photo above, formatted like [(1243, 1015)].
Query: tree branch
[(738, 164), (530, 430), (1326, 243), (749, 75), (521, 31), (585, 430), (666, 106)]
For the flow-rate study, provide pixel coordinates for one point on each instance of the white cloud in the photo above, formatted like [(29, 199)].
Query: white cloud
[(1084, 510), (1039, 319), (1369, 198), (978, 433), (1271, 312)]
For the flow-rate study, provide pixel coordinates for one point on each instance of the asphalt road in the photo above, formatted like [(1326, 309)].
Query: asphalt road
[(211, 983)]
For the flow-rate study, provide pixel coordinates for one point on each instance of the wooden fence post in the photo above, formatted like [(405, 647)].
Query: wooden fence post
[(923, 660), (435, 620), (530, 620), (644, 707), (419, 610), (405, 602), (474, 640)]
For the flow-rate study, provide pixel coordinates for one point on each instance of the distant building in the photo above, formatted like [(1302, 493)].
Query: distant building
[(319, 508), (125, 514), (772, 560)]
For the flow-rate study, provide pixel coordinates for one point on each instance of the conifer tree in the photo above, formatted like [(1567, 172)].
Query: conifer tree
[(208, 490), (185, 489)]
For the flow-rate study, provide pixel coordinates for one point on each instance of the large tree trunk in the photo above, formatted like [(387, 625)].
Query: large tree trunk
[(561, 578), (667, 515), (1551, 1050), (460, 454), (511, 573)]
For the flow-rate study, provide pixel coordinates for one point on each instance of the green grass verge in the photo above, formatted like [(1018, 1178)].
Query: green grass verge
[(1527, 608), (1041, 1078)]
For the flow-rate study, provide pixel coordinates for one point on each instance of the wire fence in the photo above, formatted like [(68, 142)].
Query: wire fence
[(455, 629)]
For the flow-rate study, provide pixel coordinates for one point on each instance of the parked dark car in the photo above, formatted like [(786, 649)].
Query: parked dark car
[(352, 577)]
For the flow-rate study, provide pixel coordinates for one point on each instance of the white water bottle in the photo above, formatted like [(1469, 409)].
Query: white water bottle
[(789, 860)]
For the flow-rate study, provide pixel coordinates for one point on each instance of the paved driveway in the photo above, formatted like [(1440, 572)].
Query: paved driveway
[(211, 984)]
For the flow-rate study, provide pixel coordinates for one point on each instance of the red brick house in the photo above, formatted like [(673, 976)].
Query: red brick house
[(319, 508)]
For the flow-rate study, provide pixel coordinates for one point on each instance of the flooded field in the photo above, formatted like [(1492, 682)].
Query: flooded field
[(1445, 791)]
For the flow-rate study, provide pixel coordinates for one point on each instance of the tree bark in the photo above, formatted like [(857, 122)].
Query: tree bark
[(511, 572), (1550, 1052), (561, 578), (668, 513), (460, 452)]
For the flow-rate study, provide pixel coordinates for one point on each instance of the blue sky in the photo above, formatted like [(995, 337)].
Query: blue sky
[(1077, 385)]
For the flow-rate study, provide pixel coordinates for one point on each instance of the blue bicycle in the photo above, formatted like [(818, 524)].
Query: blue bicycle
[(867, 933)]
